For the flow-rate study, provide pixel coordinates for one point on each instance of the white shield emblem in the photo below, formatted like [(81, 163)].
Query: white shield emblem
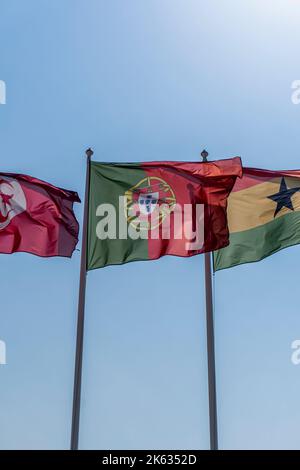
[(148, 202), (12, 200)]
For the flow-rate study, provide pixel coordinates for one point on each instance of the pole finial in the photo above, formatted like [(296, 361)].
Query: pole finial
[(204, 154), (89, 152)]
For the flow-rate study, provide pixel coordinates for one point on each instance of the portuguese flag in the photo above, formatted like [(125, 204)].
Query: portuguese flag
[(142, 211), (263, 216)]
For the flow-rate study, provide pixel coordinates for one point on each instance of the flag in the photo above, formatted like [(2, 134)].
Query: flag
[(142, 211), (263, 216), (36, 217)]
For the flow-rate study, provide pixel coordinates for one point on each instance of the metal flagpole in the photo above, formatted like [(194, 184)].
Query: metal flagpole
[(210, 339), (211, 364), (80, 315)]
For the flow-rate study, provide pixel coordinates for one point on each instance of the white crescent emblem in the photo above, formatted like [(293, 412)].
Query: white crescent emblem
[(12, 200)]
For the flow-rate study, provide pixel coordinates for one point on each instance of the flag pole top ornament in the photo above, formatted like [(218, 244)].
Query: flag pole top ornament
[(89, 152), (204, 154)]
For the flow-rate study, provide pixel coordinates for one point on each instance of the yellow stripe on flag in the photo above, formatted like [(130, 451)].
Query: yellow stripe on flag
[(251, 207)]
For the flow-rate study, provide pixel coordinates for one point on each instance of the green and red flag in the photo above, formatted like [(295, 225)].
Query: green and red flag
[(36, 217), (142, 211), (263, 216)]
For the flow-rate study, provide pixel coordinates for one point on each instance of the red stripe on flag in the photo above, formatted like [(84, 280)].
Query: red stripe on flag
[(253, 176), (208, 184)]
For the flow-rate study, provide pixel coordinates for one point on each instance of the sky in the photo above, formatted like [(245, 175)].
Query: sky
[(141, 81)]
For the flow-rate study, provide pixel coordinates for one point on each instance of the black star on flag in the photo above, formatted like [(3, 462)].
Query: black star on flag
[(283, 197)]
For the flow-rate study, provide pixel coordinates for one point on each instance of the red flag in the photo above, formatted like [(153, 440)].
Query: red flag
[(36, 217)]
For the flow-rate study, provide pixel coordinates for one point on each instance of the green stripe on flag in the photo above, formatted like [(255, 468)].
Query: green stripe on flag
[(259, 242), (107, 183)]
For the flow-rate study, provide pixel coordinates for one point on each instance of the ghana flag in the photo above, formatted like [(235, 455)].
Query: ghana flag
[(263, 216), (142, 211)]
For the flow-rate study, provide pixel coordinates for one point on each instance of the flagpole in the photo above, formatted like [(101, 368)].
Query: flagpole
[(211, 364), (80, 315), (210, 341)]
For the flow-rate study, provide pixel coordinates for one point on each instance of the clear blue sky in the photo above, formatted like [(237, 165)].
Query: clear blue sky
[(144, 80)]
